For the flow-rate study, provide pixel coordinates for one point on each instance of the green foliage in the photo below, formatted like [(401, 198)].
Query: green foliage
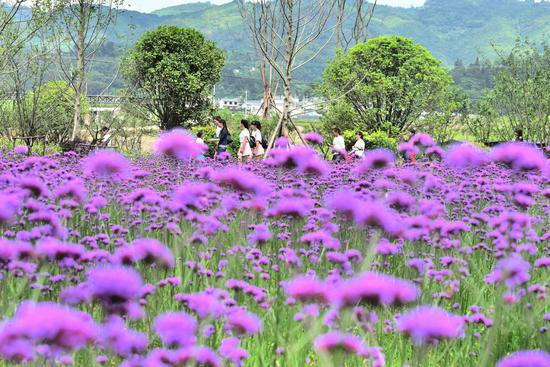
[(520, 99), (448, 122), (384, 84), (378, 139), (174, 69), (55, 106), (476, 78)]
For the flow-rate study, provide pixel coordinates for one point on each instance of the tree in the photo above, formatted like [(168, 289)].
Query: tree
[(55, 103), (173, 71), (82, 25), (388, 83), (359, 14), (283, 30), (520, 98)]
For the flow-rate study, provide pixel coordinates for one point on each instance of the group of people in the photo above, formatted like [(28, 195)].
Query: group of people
[(252, 144), (339, 146)]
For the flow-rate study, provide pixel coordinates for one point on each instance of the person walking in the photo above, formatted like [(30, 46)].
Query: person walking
[(358, 149), (223, 137), (257, 139), (338, 145), (245, 151)]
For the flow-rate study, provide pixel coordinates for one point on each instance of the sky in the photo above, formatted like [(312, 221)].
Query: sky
[(150, 5)]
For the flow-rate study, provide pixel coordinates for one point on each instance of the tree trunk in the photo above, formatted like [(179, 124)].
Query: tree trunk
[(289, 51), (80, 72)]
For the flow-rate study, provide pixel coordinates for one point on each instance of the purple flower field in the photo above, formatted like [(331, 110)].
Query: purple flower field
[(169, 260)]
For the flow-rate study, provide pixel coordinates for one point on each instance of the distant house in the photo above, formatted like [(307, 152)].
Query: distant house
[(230, 104)]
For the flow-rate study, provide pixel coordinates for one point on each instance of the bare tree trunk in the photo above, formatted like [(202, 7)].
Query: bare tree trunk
[(79, 75)]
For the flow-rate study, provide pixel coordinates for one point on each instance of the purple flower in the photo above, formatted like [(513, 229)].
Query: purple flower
[(261, 234), (205, 304), (303, 159), (117, 288), (176, 329), (197, 356), (306, 289), (35, 186), (146, 250), (21, 150), (313, 138), (116, 336), (375, 289), (179, 144), (519, 156), (526, 358), (291, 207), (60, 328), (9, 205), (430, 324), (243, 322), (73, 189), (375, 159), (229, 349), (513, 271), (424, 140), (106, 164), (241, 180), (54, 250), (462, 156), (336, 341)]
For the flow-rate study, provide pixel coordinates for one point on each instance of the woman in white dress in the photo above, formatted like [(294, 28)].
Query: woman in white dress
[(358, 149), (245, 151), (338, 145), (258, 150)]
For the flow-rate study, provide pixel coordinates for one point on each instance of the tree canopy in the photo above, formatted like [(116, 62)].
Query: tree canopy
[(174, 69), (386, 84)]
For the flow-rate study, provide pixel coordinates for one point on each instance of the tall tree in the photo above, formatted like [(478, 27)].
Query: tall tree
[(283, 30), (385, 84), (520, 98), (353, 22), (83, 25), (173, 70)]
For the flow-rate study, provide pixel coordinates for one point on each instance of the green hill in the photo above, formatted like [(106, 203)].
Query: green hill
[(450, 29)]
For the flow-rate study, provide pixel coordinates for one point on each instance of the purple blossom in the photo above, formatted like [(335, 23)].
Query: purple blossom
[(229, 349), (375, 289), (429, 325), (21, 150), (513, 271), (60, 328), (520, 156), (178, 144), (117, 288), (375, 159), (243, 322), (313, 138), (462, 156), (526, 358), (176, 329), (106, 164)]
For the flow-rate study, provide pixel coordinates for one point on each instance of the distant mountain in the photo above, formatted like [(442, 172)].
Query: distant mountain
[(450, 29)]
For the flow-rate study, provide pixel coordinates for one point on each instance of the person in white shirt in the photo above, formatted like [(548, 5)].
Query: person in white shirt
[(338, 145), (219, 125), (358, 149), (245, 151), (258, 150)]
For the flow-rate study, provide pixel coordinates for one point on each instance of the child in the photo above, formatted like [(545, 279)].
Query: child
[(200, 141)]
